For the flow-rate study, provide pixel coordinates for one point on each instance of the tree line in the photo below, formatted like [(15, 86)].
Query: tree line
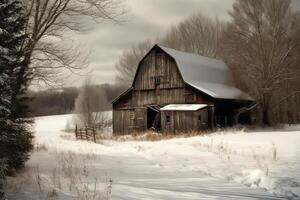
[(260, 44), (62, 100)]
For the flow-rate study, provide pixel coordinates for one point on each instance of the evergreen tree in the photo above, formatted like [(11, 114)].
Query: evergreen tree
[(15, 135), (4, 112)]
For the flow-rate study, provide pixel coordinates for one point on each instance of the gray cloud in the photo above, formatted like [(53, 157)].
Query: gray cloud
[(146, 19), (296, 4)]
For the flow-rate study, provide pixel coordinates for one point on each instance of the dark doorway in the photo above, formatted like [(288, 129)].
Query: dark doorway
[(245, 118), (153, 118), (224, 112)]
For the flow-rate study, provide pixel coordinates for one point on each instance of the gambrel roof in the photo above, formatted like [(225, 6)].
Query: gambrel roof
[(208, 75)]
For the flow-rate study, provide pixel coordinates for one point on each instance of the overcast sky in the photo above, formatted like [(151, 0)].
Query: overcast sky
[(145, 19)]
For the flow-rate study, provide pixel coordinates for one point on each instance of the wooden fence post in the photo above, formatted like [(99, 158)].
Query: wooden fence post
[(76, 131), (94, 134), (86, 133)]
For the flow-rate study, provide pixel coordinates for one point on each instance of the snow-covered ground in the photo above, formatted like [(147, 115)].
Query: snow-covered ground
[(231, 165)]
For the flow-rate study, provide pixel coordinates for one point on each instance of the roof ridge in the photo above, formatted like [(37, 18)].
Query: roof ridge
[(192, 54)]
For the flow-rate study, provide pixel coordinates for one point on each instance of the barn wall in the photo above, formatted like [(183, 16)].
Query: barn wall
[(185, 121), (167, 127), (144, 78), (158, 65), (143, 98), (158, 97), (121, 121), (129, 120), (124, 102), (196, 97)]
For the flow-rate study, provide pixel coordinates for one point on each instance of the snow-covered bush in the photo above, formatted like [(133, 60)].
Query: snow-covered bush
[(88, 105)]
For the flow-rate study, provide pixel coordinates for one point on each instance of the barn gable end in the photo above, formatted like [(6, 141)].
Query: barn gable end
[(157, 70)]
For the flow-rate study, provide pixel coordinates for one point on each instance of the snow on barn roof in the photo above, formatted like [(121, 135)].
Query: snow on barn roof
[(220, 91), (208, 75), (183, 107)]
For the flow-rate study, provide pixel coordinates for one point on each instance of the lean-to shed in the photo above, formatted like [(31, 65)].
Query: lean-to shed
[(185, 117)]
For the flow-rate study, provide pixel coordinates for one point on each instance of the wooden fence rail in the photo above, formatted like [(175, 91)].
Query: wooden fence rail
[(89, 134), (85, 133)]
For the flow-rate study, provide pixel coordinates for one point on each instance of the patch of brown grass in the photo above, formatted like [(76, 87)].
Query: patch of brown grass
[(157, 136)]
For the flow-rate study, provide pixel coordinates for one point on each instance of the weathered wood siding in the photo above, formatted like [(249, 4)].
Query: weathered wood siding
[(192, 96), (158, 65), (124, 103), (157, 97), (129, 120), (121, 121), (161, 97), (158, 82), (185, 121)]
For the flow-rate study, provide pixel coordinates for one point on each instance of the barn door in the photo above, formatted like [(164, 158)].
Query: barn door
[(203, 119), (153, 118), (168, 122)]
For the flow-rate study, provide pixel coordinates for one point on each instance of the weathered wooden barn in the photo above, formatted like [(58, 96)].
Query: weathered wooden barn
[(174, 91)]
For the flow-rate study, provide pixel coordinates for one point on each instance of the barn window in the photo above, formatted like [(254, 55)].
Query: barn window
[(168, 119), (131, 115), (157, 81), (199, 118)]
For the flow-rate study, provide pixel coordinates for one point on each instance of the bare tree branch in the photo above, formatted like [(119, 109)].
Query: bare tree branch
[(49, 19)]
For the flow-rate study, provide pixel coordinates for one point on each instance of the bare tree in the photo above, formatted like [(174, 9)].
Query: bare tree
[(88, 105), (198, 34), (47, 21), (259, 46), (129, 61)]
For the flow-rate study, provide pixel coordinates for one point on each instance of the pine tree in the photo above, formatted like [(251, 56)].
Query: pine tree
[(15, 135), (4, 112)]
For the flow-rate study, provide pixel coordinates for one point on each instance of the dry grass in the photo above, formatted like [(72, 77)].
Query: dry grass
[(15, 185), (72, 174), (40, 147), (156, 136), (101, 135), (78, 178)]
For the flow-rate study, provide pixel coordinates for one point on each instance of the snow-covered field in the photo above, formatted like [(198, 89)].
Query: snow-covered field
[(231, 165)]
